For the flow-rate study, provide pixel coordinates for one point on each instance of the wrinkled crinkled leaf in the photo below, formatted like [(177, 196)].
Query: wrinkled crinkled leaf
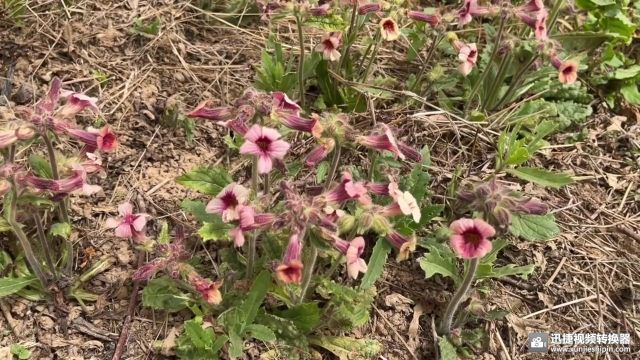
[(305, 316), (447, 351), (10, 286), (534, 227), (541, 176), (4, 225), (206, 180), (40, 166), (197, 209), (630, 93), (627, 73), (163, 294), (376, 263), (260, 332), (322, 171), (215, 230), (437, 261), (347, 348)]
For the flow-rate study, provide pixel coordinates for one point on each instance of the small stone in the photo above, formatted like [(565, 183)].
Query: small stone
[(19, 309), (45, 322)]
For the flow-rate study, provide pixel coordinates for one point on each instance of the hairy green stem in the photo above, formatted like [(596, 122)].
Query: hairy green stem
[(348, 42), (301, 60), (335, 161), (44, 243), (376, 39), (491, 96), (515, 82), (458, 297), (310, 265), (484, 74), (16, 228)]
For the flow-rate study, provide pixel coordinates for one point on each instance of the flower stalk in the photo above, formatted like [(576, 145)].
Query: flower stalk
[(458, 297), (44, 244), (301, 60), (335, 161)]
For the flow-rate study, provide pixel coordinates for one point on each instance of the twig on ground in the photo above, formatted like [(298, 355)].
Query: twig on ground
[(591, 297), (395, 332)]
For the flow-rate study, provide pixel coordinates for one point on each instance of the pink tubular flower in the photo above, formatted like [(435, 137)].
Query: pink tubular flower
[(404, 245), (532, 6), (47, 104), (389, 29), (290, 270), (567, 70), (128, 225), (432, 20), (295, 122), (320, 152), (282, 104), (7, 138), (386, 141), (321, 10), (470, 237), (263, 142), (228, 202), (405, 202), (409, 152), (468, 54), (76, 102), (348, 190), (209, 290), (72, 184), (469, 9), (249, 221), (217, 113), (329, 45), (353, 251), (538, 24), (369, 8), (103, 139)]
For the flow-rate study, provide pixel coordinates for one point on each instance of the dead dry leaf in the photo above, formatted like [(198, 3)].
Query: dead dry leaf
[(414, 326)]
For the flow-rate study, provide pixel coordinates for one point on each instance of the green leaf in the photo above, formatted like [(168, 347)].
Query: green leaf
[(570, 112), (376, 263), (256, 295), (447, 351), (534, 227), (197, 209), (162, 294), (197, 342), (199, 337), (236, 345), (348, 348), (582, 40), (306, 316), (207, 180), (4, 225), (541, 177), (347, 307), (630, 93), (619, 24), (518, 156), (260, 332), (62, 230), (322, 171), (163, 237), (508, 270), (592, 4), (627, 73), (10, 286), (439, 261), (20, 351), (40, 166), (216, 230)]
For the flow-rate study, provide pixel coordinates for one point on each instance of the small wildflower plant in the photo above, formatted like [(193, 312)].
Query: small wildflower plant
[(40, 179)]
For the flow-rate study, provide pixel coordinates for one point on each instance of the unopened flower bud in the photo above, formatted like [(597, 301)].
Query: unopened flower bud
[(380, 224), (369, 8), (452, 37), (533, 206), (502, 216), (365, 221), (346, 223), (25, 133)]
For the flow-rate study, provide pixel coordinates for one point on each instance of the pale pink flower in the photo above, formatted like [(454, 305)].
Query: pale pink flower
[(75, 183), (249, 221), (290, 269), (470, 237), (469, 9), (7, 138), (404, 245), (264, 143), (468, 55), (76, 102), (101, 139), (353, 251), (128, 225), (209, 290), (567, 70), (282, 103), (404, 201), (47, 104), (389, 29), (228, 202), (538, 24), (532, 6), (329, 45)]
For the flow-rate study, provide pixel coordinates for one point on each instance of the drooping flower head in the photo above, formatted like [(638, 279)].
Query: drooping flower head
[(389, 29), (76, 102), (249, 220), (209, 290), (404, 245), (537, 23), (320, 152), (369, 8), (282, 103), (468, 55), (290, 270), (567, 70), (217, 113), (75, 183), (295, 122), (420, 16), (96, 139), (128, 225), (385, 141), (329, 45), (469, 9), (353, 252), (470, 238), (264, 143), (320, 10), (228, 202), (532, 6), (404, 203), (348, 190)]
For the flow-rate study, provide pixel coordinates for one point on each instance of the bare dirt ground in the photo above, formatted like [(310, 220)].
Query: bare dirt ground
[(586, 280)]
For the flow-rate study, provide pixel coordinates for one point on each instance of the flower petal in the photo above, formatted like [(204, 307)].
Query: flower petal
[(125, 209), (123, 231), (265, 164)]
